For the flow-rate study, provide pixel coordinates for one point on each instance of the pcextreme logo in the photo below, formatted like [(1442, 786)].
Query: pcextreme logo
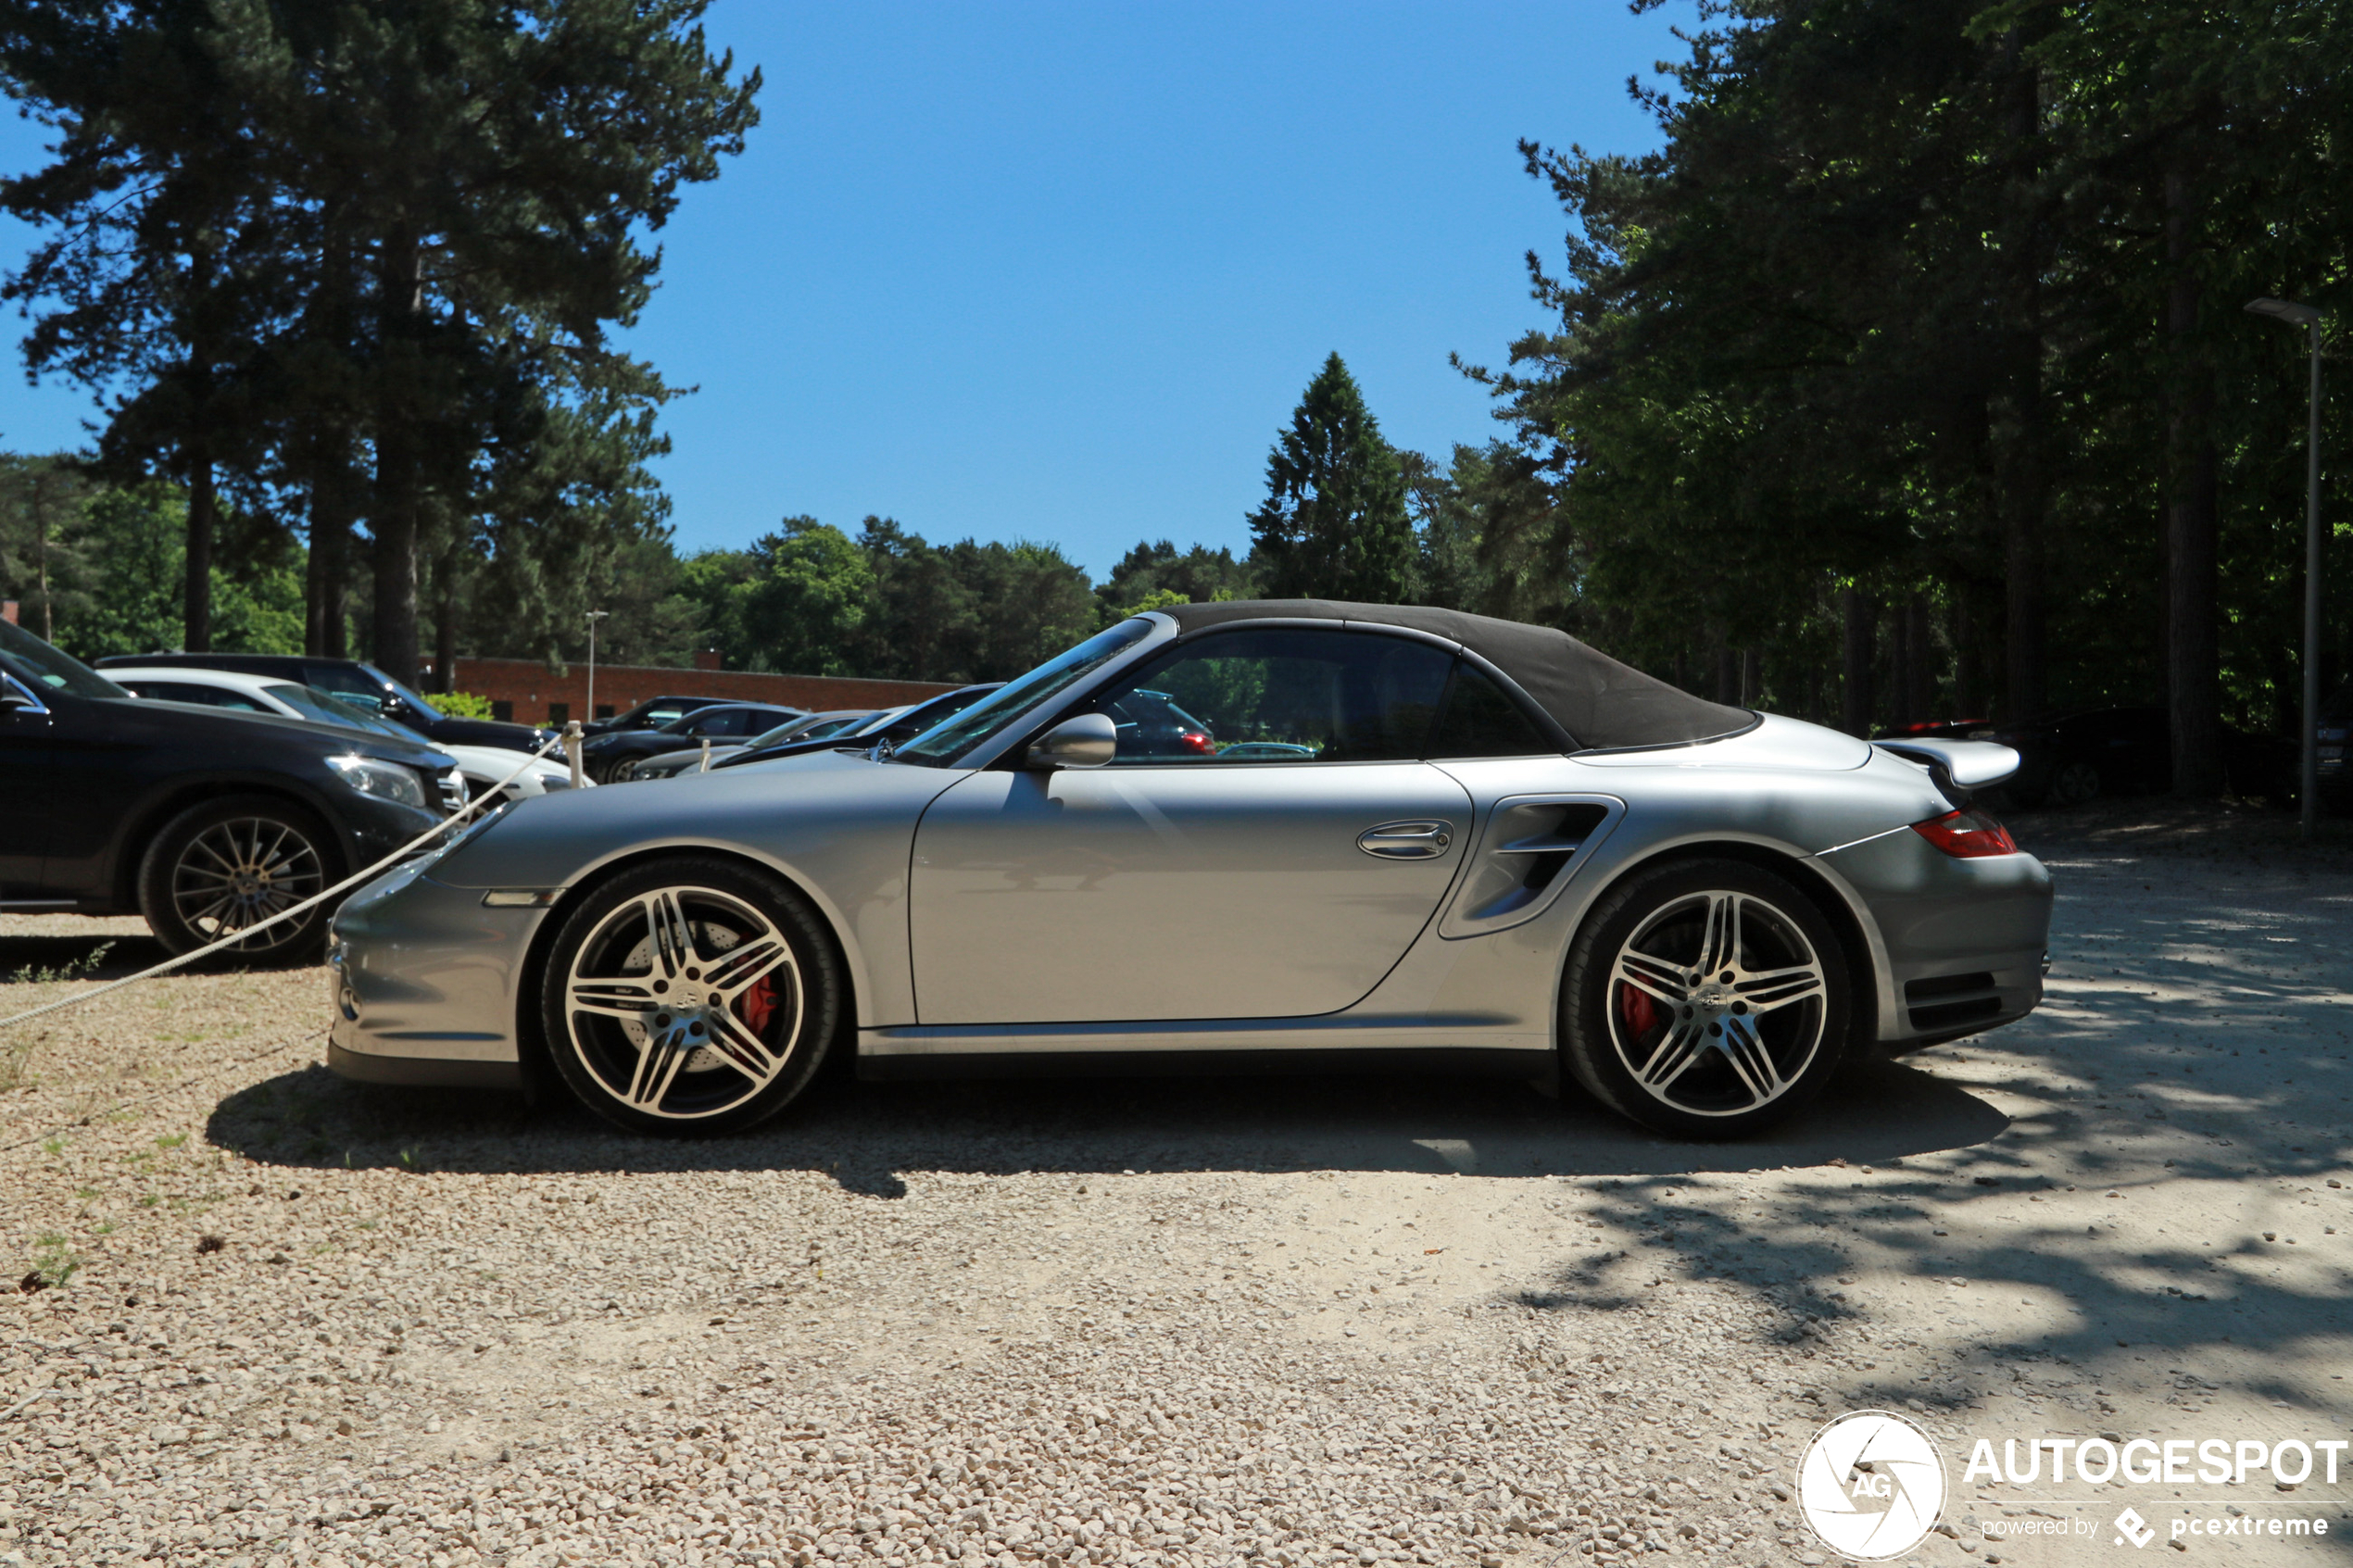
[(1872, 1484)]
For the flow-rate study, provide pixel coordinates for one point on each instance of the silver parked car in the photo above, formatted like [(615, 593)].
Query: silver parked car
[(1434, 839)]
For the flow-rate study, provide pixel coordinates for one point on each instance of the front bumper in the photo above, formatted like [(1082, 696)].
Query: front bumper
[(1964, 940), (425, 983)]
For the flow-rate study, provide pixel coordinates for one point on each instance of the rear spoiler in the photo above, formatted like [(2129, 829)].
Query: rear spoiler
[(1957, 766)]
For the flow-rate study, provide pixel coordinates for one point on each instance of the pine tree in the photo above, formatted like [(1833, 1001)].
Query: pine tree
[(1334, 524)]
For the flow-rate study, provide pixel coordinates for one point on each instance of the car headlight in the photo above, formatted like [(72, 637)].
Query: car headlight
[(386, 780)]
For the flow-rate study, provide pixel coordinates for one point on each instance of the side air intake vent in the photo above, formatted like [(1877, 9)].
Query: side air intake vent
[(1525, 856)]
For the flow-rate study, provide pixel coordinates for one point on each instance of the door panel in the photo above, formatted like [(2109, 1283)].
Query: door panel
[(1189, 891), (28, 800)]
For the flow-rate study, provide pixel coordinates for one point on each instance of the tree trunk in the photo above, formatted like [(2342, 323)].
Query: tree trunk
[(1859, 613), (1902, 680), (2021, 482), (2193, 641), (1752, 677), (40, 558), (445, 624), (1728, 677), (195, 634), (393, 518), (1962, 628), (327, 580), (1919, 696)]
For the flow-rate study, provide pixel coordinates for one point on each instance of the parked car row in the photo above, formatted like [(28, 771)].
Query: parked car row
[(206, 820), (482, 766)]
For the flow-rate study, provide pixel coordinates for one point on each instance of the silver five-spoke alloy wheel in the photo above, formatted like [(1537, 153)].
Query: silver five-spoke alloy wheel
[(1718, 1004), (685, 1003), (1706, 997)]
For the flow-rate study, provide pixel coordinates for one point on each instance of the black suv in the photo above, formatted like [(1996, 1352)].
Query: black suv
[(201, 819), (357, 683)]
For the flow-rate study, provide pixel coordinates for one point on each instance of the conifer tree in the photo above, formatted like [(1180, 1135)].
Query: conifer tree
[(1334, 523)]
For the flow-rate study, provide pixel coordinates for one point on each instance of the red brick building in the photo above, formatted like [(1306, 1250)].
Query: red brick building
[(530, 693)]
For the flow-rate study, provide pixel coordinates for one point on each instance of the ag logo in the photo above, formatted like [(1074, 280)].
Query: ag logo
[(1872, 1484)]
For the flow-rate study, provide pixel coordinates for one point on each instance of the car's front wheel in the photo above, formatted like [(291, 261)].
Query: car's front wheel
[(690, 995), (227, 865), (1707, 998)]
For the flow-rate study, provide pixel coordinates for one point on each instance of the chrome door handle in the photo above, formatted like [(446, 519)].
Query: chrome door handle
[(1407, 841)]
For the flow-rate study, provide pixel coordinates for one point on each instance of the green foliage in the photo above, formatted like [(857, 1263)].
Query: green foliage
[(1333, 525), (1154, 574), (806, 606), (1920, 326), (463, 704), (100, 569), (366, 258)]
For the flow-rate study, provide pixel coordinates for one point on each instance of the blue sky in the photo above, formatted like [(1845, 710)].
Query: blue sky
[(1060, 271)]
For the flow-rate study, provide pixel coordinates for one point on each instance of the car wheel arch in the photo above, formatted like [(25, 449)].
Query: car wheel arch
[(532, 1047), (1866, 965), (152, 815)]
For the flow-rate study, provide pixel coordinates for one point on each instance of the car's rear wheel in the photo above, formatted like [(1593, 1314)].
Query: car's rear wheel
[(690, 995), (227, 865), (1707, 998), (2076, 783)]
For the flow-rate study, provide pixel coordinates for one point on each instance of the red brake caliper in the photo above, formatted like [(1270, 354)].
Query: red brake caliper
[(758, 1004), (1634, 1005)]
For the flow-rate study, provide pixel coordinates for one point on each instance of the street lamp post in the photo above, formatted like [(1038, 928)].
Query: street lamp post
[(593, 616), (2308, 785)]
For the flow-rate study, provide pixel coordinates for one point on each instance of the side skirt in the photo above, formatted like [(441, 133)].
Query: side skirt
[(1541, 1067)]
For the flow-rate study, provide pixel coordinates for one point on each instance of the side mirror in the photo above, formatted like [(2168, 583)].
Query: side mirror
[(1089, 740)]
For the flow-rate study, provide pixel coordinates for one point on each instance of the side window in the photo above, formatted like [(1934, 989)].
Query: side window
[(724, 722), (349, 684), (1281, 696), (1481, 721)]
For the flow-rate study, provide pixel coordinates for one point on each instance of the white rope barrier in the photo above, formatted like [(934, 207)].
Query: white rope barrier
[(569, 740)]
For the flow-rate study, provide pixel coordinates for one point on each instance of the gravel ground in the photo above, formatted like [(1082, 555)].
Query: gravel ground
[(1292, 1321)]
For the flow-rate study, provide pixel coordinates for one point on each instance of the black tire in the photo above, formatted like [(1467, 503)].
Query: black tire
[(227, 864), (710, 932), (1716, 1052), (2076, 783)]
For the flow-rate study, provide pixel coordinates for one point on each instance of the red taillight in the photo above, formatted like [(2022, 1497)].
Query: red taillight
[(1967, 834), (1194, 740)]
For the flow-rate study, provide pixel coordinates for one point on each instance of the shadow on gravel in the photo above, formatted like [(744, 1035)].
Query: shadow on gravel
[(46, 957), (866, 1135)]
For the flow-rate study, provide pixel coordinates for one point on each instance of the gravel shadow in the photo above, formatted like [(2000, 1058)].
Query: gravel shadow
[(866, 1135)]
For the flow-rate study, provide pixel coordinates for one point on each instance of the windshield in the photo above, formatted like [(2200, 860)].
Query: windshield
[(411, 698), (325, 708), (943, 742), (45, 669)]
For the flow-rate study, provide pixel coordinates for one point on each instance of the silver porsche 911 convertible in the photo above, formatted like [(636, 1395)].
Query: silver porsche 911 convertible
[(1228, 836)]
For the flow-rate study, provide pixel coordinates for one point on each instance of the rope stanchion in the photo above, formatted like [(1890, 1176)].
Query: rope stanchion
[(570, 739)]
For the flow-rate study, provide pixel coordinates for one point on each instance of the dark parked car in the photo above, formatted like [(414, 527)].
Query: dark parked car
[(607, 758), (2075, 755), (895, 727), (201, 819), (356, 682), (1151, 724), (650, 714)]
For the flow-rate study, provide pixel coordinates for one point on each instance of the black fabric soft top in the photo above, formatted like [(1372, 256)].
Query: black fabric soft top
[(1602, 704)]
